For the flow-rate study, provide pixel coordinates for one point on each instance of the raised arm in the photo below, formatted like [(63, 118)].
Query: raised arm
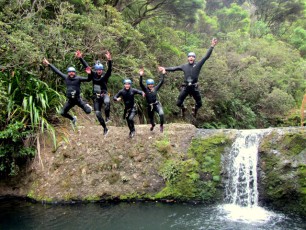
[(109, 64), (162, 78), (109, 69), (54, 69), (79, 55), (141, 73), (209, 51), (89, 77)]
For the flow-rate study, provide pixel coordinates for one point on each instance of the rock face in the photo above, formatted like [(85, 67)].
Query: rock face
[(183, 163), (282, 170)]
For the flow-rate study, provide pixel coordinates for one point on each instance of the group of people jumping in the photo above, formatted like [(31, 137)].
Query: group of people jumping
[(100, 79)]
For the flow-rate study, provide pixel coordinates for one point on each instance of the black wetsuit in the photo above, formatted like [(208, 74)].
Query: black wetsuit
[(99, 90), (129, 102), (191, 75), (72, 93), (153, 104)]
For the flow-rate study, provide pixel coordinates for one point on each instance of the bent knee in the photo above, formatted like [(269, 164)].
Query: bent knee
[(98, 113)]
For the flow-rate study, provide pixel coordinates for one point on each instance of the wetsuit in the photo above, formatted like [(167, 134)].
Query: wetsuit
[(72, 93), (100, 94), (191, 75), (129, 102), (153, 104)]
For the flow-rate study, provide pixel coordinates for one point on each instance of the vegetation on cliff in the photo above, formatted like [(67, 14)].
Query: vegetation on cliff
[(283, 174), (255, 77)]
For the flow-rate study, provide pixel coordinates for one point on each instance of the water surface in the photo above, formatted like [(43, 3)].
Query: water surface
[(19, 214)]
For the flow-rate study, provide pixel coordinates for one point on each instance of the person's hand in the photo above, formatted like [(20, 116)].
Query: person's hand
[(108, 55), (162, 70), (143, 94), (118, 99), (141, 71), (88, 70), (78, 54), (214, 42), (45, 62)]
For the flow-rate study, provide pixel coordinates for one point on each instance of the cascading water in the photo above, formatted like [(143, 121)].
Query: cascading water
[(241, 188)]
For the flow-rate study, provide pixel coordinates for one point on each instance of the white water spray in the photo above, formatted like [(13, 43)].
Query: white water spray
[(242, 167), (241, 187)]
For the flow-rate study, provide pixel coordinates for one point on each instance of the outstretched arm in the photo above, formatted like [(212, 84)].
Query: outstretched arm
[(79, 55), (175, 68), (117, 96), (54, 69)]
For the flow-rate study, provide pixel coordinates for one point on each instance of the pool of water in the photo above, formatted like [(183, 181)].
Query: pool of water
[(20, 214)]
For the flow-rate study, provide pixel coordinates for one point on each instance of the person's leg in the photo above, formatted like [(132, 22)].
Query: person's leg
[(84, 106), (130, 121), (107, 106), (160, 112), (68, 105), (180, 100), (151, 117), (198, 100), (97, 107)]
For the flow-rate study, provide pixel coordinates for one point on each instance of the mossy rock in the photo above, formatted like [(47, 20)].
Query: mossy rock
[(199, 176), (283, 180)]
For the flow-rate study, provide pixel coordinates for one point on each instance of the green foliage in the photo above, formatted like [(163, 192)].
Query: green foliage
[(253, 79), (277, 13), (233, 18), (13, 152), (28, 106)]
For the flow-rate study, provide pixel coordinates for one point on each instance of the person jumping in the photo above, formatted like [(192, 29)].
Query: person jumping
[(127, 94), (73, 84), (99, 89), (151, 97), (191, 74)]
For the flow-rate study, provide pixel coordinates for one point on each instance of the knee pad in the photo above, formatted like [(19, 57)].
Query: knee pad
[(107, 106), (88, 110), (98, 113)]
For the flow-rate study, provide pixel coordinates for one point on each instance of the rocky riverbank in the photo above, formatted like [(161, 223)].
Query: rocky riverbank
[(182, 164)]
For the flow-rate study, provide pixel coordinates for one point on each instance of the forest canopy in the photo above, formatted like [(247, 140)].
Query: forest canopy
[(255, 77)]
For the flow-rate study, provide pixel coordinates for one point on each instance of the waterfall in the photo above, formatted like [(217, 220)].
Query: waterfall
[(241, 188)]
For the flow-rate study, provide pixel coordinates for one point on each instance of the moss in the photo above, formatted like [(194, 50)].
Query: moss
[(163, 146), (92, 198), (290, 144), (131, 196), (293, 144), (284, 181), (208, 153), (198, 177)]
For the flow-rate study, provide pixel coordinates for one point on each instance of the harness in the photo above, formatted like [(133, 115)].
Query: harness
[(188, 84), (99, 95), (152, 104), (73, 94)]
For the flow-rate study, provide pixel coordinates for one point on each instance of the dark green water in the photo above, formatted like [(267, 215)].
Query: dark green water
[(19, 214)]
